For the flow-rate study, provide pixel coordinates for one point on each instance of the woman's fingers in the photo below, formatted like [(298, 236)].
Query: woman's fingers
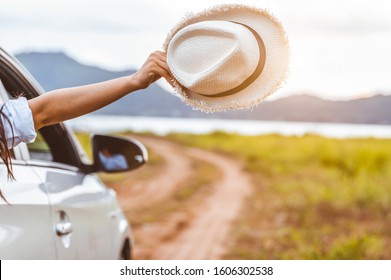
[(164, 70), (168, 78), (153, 69), (160, 72)]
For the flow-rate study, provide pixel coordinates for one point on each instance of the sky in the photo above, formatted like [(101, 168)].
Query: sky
[(340, 49)]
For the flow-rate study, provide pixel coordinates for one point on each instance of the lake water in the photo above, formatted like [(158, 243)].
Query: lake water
[(162, 126)]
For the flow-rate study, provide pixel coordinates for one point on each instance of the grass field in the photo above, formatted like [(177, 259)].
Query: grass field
[(314, 198)]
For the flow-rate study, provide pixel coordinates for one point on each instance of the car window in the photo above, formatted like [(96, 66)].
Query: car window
[(60, 146), (39, 149)]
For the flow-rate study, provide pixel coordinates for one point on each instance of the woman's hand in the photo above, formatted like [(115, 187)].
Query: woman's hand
[(152, 70)]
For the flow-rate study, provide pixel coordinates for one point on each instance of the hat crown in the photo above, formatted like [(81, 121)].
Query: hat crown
[(210, 57)]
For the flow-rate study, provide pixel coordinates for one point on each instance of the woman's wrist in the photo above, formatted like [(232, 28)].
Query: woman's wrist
[(132, 83)]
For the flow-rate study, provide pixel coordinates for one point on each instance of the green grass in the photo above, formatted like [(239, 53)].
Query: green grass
[(314, 198), (86, 142)]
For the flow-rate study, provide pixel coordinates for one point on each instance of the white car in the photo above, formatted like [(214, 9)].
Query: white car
[(58, 208)]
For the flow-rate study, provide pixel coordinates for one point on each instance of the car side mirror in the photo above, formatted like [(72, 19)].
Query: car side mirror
[(116, 154)]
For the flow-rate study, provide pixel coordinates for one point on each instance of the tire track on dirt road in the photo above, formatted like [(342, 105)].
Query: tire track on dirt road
[(207, 234), (176, 169), (210, 221)]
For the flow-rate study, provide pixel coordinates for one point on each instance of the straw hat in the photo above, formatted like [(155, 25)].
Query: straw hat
[(227, 57)]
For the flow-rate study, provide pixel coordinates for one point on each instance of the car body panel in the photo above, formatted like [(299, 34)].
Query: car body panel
[(25, 224), (85, 202)]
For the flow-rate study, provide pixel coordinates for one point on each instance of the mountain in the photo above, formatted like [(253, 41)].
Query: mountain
[(57, 70)]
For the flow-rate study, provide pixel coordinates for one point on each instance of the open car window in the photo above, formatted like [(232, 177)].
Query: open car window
[(39, 149), (55, 142)]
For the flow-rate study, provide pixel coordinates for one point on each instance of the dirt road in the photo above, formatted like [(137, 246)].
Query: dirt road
[(162, 184), (206, 225)]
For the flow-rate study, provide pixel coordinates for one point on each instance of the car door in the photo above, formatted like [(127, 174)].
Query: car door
[(25, 221), (80, 211), (80, 206)]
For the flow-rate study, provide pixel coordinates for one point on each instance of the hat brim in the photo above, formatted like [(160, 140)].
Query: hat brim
[(276, 65)]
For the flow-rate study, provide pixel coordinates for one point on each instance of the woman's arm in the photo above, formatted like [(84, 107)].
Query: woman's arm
[(64, 104)]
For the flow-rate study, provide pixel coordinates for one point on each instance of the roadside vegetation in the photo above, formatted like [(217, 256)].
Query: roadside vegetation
[(314, 197)]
